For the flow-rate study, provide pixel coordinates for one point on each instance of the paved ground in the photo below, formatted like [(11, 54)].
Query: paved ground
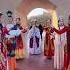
[(35, 62)]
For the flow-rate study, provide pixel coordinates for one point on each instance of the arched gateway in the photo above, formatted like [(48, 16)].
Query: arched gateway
[(28, 5)]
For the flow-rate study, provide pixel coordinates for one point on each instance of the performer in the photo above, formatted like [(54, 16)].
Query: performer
[(10, 42), (59, 49), (35, 39), (67, 30), (3, 55), (49, 41), (20, 45), (41, 30)]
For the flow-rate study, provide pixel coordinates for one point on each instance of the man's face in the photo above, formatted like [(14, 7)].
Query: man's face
[(17, 20), (10, 19), (33, 25), (61, 23)]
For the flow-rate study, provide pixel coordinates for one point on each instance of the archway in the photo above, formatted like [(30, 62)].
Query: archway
[(40, 15), (27, 5)]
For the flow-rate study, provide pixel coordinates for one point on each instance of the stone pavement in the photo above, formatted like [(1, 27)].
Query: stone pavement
[(35, 62)]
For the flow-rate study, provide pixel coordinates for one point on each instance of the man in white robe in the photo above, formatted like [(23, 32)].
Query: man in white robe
[(59, 47), (34, 40)]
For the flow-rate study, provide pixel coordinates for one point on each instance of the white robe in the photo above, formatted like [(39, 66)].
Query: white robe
[(60, 41), (12, 33), (8, 27), (34, 31)]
